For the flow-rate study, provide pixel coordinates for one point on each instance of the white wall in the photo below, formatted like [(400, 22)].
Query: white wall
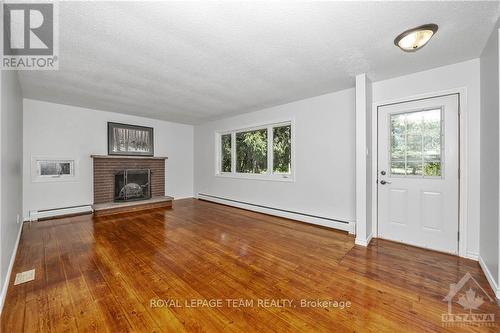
[(489, 243), (11, 145), (61, 130), (460, 75), (324, 151)]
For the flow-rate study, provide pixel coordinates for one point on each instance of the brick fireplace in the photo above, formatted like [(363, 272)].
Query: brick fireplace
[(106, 167)]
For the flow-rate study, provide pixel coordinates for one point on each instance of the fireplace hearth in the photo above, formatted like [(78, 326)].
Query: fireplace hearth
[(132, 185)]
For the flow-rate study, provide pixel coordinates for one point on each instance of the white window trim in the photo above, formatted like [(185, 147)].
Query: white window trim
[(269, 175)]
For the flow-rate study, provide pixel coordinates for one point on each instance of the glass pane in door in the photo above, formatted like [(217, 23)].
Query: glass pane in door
[(416, 144)]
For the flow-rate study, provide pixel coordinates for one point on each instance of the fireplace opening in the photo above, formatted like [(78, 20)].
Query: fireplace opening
[(132, 184)]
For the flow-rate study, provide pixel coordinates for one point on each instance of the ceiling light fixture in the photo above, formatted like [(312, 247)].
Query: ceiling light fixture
[(413, 39)]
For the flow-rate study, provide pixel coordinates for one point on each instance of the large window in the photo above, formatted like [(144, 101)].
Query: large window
[(260, 152)]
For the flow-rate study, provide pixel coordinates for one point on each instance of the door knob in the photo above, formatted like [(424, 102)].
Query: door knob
[(383, 182)]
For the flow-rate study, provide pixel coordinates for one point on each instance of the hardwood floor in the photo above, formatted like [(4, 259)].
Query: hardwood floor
[(137, 272)]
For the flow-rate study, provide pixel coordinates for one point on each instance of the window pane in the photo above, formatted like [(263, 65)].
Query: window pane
[(55, 168), (282, 149), (251, 151), (398, 124), (226, 152), (398, 147), (432, 146), (432, 169), (413, 123), (414, 168), (398, 167), (414, 147), (432, 142), (416, 143)]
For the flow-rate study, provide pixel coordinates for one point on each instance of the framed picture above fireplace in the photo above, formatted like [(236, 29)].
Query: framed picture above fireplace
[(130, 140)]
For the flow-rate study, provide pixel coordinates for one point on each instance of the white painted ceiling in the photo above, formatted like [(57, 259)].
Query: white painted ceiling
[(193, 62)]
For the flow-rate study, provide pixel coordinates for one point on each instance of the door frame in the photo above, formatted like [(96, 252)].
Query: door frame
[(463, 160)]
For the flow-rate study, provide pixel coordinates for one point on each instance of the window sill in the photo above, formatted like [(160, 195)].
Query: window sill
[(274, 178), (50, 179)]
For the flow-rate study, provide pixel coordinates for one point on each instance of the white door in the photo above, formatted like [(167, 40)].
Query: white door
[(418, 163)]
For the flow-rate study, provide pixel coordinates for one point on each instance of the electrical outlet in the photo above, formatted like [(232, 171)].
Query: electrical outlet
[(18, 218)]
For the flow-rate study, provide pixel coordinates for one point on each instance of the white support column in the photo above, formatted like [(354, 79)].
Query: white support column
[(363, 160)]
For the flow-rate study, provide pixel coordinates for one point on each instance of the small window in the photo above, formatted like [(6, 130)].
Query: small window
[(55, 168), (251, 151), (416, 144), (46, 170), (261, 152), (225, 152)]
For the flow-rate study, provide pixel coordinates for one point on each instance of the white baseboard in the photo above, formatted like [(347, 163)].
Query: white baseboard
[(5, 285), (35, 215), (490, 278), (363, 242), (325, 222), (472, 256)]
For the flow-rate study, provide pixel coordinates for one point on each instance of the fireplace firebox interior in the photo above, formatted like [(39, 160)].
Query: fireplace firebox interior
[(132, 184)]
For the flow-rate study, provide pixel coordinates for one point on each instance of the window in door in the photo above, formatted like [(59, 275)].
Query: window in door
[(416, 144)]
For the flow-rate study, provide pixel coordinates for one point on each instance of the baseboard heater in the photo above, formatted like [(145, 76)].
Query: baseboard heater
[(303, 217), (35, 215)]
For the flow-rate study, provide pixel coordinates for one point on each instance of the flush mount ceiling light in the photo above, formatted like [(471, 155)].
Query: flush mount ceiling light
[(413, 39)]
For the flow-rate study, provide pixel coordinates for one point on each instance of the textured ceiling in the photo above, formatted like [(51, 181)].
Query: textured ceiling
[(192, 62)]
